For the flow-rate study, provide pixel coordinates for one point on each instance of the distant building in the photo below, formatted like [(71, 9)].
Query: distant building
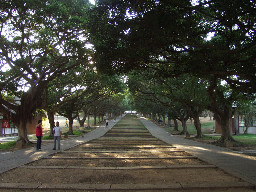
[(130, 112)]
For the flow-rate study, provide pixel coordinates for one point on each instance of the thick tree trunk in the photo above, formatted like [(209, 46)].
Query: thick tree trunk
[(176, 126), (246, 130), (169, 120), (222, 108), (81, 121), (224, 120), (23, 136), (154, 116), (236, 121), (246, 124), (226, 133), (184, 126), (51, 120), (197, 124), (95, 119), (88, 124), (70, 124), (164, 119)]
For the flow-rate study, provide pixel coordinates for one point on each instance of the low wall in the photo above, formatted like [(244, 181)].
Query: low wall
[(251, 130)]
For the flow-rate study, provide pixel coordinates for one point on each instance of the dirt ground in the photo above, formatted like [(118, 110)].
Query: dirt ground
[(122, 160)]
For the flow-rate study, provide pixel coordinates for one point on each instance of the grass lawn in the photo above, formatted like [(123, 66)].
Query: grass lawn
[(7, 145), (209, 127), (249, 139)]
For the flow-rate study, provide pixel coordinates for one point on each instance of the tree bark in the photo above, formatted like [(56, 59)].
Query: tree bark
[(164, 119), (51, 121), (184, 126), (197, 124), (81, 121), (70, 124), (222, 108), (95, 119), (224, 120), (88, 121), (236, 119), (176, 127), (22, 134)]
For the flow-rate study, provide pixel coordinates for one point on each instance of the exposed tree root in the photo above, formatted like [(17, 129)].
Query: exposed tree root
[(227, 142), (23, 143)]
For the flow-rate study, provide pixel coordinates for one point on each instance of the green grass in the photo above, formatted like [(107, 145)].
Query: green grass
[(206, 127), (47, 137), (77, 132), (7, 145), (249, 139)]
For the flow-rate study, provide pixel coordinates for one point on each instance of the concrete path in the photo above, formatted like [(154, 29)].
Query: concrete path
[(242, 166), (10, 160)]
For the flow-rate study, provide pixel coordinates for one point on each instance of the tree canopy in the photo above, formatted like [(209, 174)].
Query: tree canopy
[(40, 41), (173, 38), (171, 43)]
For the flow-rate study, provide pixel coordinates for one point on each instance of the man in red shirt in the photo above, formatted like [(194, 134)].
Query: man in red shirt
[(39, 134)]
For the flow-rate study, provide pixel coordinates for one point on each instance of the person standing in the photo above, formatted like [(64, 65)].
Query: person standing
[(57, 131), (106, 122), (39, 134)]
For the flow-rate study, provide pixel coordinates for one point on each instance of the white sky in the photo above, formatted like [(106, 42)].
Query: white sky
[(92, 2)]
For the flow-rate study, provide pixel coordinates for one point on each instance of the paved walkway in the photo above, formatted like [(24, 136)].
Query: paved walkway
[(10, 160), (240, 165)]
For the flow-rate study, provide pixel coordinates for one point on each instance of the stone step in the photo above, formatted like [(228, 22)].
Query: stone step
[(125, 187), (121, 168), (177, 151), (174, 157)]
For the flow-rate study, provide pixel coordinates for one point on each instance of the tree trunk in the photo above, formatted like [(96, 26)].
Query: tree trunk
[(246, 124), (95, 119), (236, 119), (164, 119), (222, 108), (23, 136), (81, 121), (176, 126), (184, 126), (88, 121), (51, 121), (168, 120), (197, 124), (70, 130), (224, 120), (154, 116), (246, 130), (226, 133)]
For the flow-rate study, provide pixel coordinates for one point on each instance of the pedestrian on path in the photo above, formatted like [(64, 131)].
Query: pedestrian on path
[(39, 134), (57, 131), (66, 122)]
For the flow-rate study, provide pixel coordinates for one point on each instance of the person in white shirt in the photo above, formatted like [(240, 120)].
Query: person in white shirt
[(57, 131)]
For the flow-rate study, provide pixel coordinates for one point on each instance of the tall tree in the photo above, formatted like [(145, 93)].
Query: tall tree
[(171, 38), (40, 41)]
